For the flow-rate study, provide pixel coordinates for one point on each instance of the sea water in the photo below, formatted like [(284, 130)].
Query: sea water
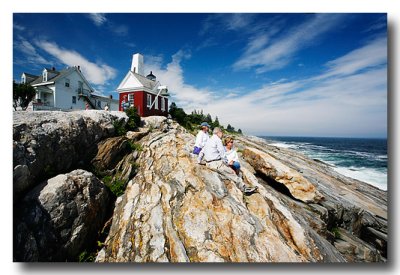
[(359, 158)]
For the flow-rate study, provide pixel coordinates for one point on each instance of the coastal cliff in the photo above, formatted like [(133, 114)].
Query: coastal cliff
[(66, 166)]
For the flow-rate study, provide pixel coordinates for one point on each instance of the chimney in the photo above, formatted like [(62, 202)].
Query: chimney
[(137, 64)]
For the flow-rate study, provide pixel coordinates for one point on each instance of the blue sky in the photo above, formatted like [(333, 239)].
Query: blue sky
[(268, 74)]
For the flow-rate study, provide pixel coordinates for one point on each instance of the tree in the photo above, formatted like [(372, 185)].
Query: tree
[(23, 94), (178, 114), (208, 118), (240, 131), (229, 128), (216, 122)]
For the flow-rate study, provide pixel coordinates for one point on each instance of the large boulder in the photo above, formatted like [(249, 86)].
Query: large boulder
[(58, 218), (298, 186), (48, 143)]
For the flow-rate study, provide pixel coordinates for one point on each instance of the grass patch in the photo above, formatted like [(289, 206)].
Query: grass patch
[(116, 186), (336, 233), (135, 146), (86, 257)]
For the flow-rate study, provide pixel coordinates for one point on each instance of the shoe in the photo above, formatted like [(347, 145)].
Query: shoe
[(250, 190)]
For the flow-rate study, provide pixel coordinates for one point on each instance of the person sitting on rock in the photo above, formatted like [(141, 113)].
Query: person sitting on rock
[(231, 155), (215, 158), (201, 138)]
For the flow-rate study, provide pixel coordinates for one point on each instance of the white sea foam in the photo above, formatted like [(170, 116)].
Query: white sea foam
[(283, 145), (372, 176)]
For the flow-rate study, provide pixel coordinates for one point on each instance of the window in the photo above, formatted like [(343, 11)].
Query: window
[(44, 76), (156, 104), (148, 100), (99, 104), (162, 104), (23, 79), (130, 97), (66, 82), (74, 100), (80, 87)]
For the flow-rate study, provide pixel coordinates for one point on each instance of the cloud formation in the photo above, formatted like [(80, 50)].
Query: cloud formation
[(32, 56), (98, 18), (96, 73), (348, 98), (266, 56)]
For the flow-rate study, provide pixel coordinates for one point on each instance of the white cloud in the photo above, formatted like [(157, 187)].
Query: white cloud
[(184, 95), (370, 55), (98, 18), (96, 73), (32, 56), (227, 21), (18, 27), (350, 102), (279, 53)]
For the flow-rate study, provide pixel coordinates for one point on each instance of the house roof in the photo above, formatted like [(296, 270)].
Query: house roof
[(134, 82), (30, 75), (148, 83), (58, 75)]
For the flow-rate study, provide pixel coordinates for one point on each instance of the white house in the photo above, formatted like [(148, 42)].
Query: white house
[(67, 89)]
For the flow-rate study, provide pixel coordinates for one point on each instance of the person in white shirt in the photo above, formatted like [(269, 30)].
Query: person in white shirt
[(201, 138), (231, 155), (214, 155)]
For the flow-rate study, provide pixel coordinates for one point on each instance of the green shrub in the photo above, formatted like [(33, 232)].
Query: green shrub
[(115, 185), (120, 128), (86, 257), (336, 232), (133, 122), (135, 146), (133, 118)]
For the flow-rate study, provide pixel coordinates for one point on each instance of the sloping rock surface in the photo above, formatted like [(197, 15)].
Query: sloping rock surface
[(177, 211)]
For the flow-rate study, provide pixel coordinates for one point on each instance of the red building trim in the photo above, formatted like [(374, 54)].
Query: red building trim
[(140, 102)]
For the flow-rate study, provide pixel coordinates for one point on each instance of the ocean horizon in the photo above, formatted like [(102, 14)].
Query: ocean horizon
[(364, 159)]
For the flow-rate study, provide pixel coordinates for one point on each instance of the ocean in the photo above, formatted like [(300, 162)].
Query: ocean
[(359, 158)]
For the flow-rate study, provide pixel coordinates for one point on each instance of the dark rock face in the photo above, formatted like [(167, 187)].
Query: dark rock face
[(49, 143), (56, 219), (110, 152)]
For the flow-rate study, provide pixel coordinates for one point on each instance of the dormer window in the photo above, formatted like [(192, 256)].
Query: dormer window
[(44, 75), (23, 79)]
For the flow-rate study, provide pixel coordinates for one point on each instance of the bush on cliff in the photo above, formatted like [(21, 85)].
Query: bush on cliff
[(133, 122)]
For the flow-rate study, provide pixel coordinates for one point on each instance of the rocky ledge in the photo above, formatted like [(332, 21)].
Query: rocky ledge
[(174, 210)]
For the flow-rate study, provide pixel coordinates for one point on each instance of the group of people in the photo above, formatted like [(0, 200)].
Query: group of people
[(219, 155)]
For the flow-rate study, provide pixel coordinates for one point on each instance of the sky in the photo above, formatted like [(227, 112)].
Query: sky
[(273, 74)]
